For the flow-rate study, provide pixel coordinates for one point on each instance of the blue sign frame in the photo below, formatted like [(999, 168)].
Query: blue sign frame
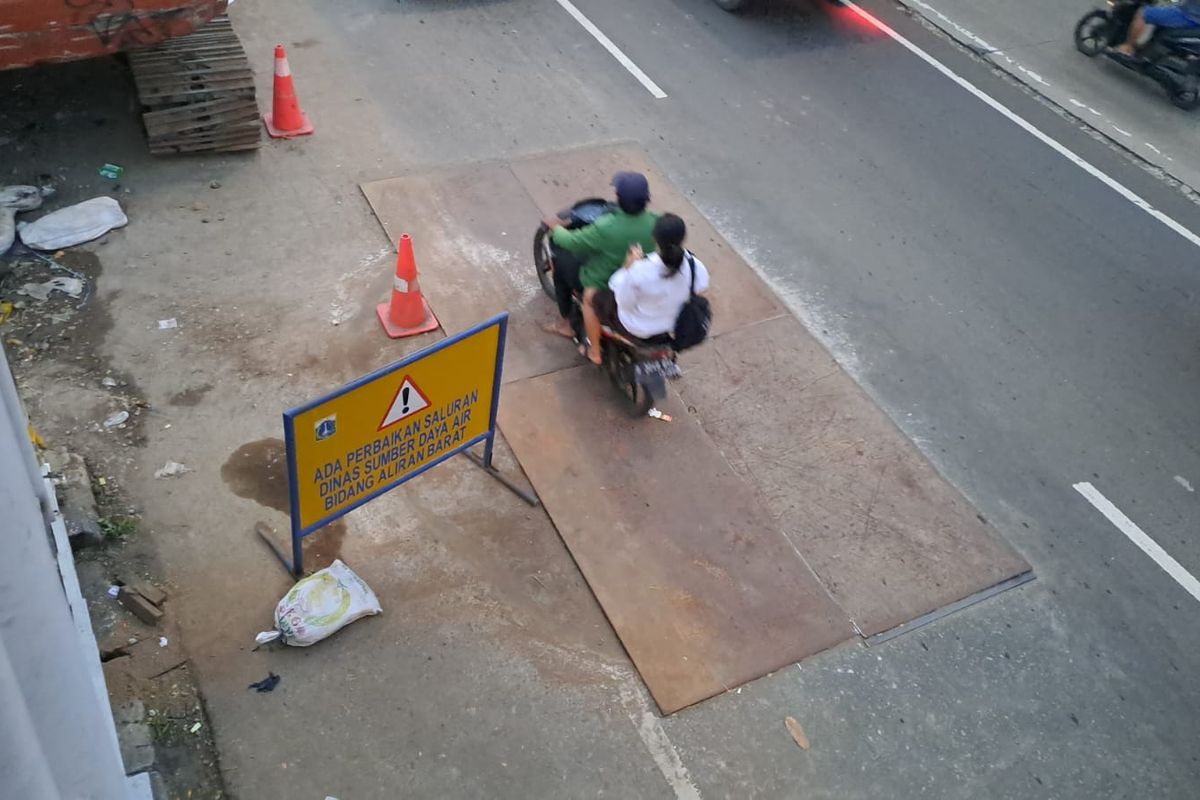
[(296, 565)]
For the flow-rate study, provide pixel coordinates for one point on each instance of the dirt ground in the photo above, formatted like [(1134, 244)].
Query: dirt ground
[(270, 264)]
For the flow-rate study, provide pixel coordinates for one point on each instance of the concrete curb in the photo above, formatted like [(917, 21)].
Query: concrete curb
[(981, 49)]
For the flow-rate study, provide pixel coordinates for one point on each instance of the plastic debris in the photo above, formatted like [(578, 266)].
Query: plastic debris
[(195, 728), (654, 413), (111, 171), (6, 310), (162, 641), (797, 733), (108, 381), (171, 469), (267, 684), (320, 605), (35, 437), (167, 324), (114, 590), (41, 291), (14, 200), (119, 418), (73, 225)]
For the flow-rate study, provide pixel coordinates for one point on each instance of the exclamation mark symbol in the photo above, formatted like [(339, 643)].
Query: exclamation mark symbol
[(404, 399)]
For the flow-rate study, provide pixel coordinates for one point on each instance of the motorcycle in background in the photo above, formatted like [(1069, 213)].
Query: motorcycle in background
[(1171, 57)]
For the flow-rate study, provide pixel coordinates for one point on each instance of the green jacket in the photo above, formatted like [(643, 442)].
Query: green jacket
[(606, 242)]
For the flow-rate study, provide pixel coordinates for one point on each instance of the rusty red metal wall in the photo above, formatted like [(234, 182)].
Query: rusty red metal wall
[(38, 31)]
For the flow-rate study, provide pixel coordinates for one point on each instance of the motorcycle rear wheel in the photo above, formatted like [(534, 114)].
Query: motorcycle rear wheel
[(1092, 33), (622, 373), (543, 261), (1187, 99)]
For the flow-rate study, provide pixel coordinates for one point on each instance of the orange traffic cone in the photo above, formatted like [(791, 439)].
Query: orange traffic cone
[(286, 118), (407, 314)]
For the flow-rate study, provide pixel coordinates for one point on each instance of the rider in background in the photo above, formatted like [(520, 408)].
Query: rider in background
[(650, 291), (604, 244), (1182, 15)]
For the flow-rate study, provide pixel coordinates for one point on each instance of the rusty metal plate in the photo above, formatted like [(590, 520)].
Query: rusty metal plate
[(889, 537), (472, 230), (699, 583)]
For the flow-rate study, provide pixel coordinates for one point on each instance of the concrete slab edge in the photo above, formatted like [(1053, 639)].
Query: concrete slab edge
[(79, 609), (532, 155), (978, 48), (947, 610)]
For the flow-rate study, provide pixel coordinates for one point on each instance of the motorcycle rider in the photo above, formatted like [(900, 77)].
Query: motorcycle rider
[(644, 298), (1185, 14), (604, 245)]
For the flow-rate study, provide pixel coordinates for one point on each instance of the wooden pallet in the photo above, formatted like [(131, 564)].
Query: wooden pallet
[(198, 91)]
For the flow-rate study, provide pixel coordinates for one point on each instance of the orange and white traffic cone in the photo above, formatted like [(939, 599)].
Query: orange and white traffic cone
[(286, 119), (407, 314)]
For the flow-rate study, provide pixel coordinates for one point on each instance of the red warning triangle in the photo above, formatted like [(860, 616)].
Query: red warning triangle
[(409, 400)]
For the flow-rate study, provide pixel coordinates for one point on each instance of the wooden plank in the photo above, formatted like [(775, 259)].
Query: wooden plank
[(200, 93), (187, 114), (213, 144)]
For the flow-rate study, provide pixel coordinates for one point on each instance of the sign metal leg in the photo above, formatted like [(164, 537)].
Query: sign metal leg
[(485, 464)]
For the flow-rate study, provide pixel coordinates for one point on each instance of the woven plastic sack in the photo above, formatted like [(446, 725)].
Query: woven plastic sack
[(320, 605), (73, 225)]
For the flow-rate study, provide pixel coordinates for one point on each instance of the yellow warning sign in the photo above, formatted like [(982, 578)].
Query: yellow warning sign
[(377, 432)]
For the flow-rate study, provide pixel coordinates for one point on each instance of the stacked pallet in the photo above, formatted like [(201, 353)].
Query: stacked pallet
[(198, 91)]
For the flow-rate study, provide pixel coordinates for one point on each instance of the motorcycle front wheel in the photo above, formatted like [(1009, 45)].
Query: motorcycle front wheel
[(543, 261), (1092, 33)]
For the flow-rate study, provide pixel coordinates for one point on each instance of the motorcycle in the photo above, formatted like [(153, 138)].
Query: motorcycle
[(637, 368), (1171, 57)]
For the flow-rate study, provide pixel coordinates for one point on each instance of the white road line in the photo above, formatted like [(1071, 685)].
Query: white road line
[(1026, 126), (653, 735), (608, 45), (1138, 537)]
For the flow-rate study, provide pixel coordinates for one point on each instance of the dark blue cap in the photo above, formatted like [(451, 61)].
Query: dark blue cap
[(632, 187)]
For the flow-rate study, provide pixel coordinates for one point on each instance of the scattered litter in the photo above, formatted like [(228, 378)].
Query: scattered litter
[(195, 728), (111, 171), (35, 437), (41, 291), (109, 381), (119, 418), (171, 469), (6, 310), (654, 413), (797, 733), (167, 324), (114, 590), (320, 605), (102, 481), (14, 200), (73, 225), (267, 684), (162, 641)]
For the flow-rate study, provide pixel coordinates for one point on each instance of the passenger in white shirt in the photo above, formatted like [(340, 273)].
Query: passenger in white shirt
[(649, 291)]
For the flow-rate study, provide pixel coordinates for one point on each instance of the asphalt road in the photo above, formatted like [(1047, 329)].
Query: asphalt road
[(1027, 326)]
